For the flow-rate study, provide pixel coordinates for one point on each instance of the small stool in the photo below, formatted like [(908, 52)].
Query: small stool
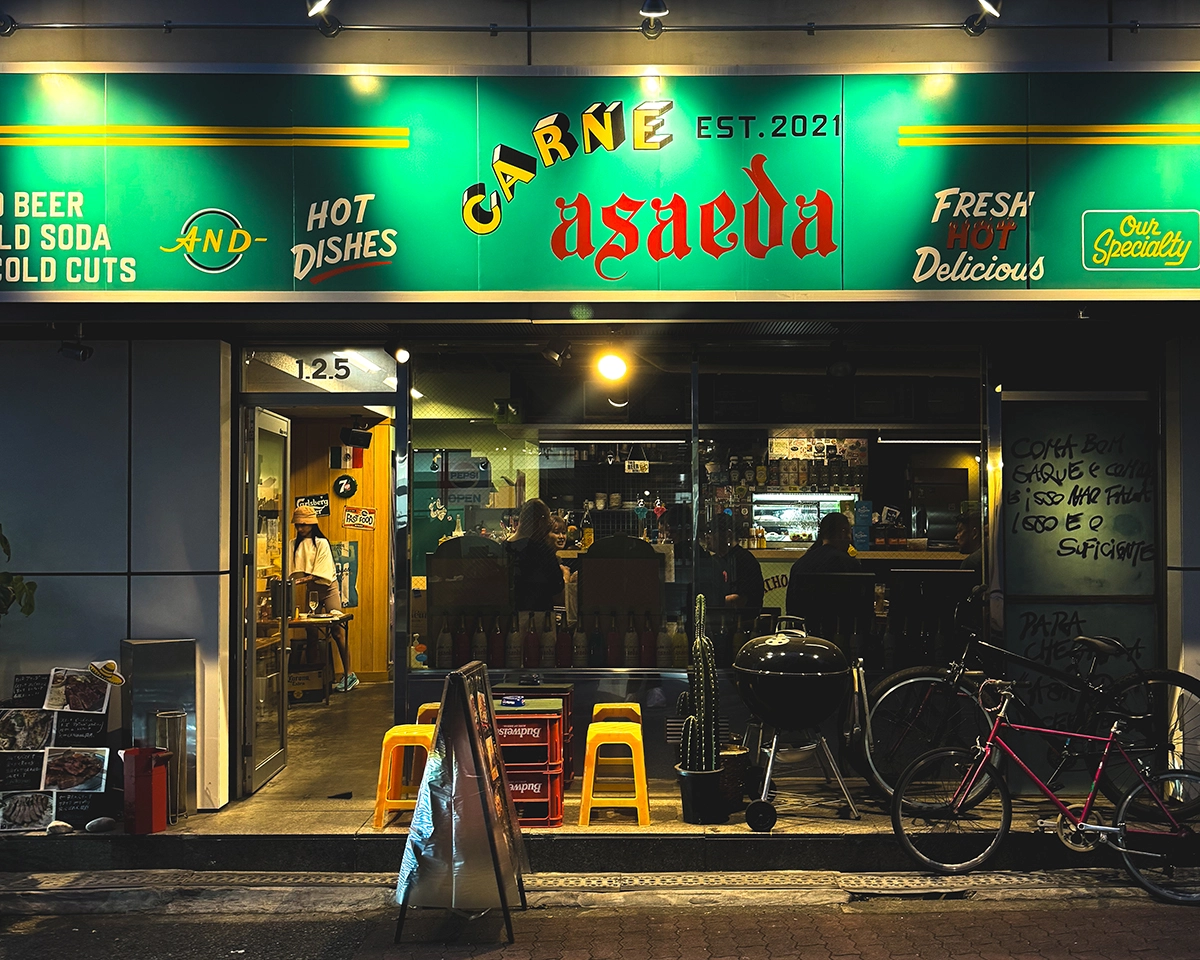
[(615, 732), (428, 712), (391, 793), (617, 711)]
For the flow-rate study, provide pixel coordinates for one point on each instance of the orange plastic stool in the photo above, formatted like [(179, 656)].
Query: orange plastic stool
[(391, 793), (615, 732), (617, 711), (428, 712)]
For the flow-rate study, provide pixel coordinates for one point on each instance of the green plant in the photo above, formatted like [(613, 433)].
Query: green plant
[(699, 747), (14, 588)]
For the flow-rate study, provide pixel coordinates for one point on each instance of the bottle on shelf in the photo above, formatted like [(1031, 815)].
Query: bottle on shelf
[(646, 643), (587, 535), (495, 646), (563, 653), (479, 643), (680, 648), (579, 646), (443, 649), (663, 654), (461, 645), (614, 647), (632, 654), (512, 644), (548, 640), (532, 652), (597, 653)]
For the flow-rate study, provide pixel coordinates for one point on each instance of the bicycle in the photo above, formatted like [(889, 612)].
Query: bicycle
[(916, 709), (951, 810)]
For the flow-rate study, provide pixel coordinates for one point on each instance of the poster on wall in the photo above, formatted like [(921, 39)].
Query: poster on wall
[(359, 518), (82, 770), (318, 501), (26, 729), (77, 691), (345, 561)]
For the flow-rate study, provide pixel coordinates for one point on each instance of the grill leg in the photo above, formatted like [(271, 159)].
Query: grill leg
[(766, 789), (832, 763)]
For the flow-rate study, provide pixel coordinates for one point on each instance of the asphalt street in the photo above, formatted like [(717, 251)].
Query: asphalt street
[(888, 929)]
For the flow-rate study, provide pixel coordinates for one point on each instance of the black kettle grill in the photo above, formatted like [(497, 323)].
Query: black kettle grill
[(791, 681)]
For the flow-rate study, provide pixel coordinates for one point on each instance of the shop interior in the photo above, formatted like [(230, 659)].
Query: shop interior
[(640, 470)]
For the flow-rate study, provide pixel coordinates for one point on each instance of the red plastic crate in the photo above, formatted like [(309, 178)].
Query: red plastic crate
[(530, 741), (538, 797)]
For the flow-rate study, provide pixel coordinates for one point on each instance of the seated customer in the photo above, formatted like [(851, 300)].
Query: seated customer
[(739, 575), (536, 575), (831, 554)]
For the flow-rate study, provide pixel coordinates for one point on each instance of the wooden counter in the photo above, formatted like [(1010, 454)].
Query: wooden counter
[(931, 556)]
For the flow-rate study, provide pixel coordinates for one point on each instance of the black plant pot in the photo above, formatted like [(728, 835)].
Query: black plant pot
[(703, 801)]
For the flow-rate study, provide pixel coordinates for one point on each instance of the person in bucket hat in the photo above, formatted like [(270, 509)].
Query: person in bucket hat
[(312, 565)]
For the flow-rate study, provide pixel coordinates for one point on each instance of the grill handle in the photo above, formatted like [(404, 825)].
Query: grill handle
[(782, 622)]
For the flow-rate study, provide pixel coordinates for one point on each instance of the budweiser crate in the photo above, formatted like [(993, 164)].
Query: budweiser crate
[(530, 741), (538, 797)]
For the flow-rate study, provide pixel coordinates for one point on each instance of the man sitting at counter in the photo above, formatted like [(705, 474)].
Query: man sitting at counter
[(739, 574), (831, 554)]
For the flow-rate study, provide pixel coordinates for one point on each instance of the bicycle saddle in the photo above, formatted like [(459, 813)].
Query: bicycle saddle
[(1103, 646)]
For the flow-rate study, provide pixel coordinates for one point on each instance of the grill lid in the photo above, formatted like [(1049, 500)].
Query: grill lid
[(791, 652)]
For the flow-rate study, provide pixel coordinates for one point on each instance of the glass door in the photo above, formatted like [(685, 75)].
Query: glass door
[(267, 597)]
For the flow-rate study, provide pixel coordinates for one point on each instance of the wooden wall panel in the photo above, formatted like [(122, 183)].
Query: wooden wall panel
[(371, 631)]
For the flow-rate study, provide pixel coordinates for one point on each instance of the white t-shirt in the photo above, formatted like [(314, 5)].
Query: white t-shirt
[(314, 556)]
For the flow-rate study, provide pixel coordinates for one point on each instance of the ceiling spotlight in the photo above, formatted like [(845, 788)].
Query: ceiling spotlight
[(611, 366), (974, 25), (317, 7), (397, 351), (557, 351), (76, 349), (654, 9), (991, 7)]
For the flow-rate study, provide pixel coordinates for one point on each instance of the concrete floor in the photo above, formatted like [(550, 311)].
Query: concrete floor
[(328, 788)]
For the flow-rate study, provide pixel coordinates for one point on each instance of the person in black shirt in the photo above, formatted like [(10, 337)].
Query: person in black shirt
[(969, 537), (737, 569), (537, 577)]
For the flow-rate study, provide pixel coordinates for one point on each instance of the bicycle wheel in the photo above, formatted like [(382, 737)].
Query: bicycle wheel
[(1163, 857), (1161, 709), (939, 828), (914, 711)]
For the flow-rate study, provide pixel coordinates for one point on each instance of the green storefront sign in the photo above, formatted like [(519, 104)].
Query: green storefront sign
[(144, 186)]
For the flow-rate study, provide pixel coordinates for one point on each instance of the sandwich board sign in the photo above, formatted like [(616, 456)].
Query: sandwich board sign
[(465, 851)]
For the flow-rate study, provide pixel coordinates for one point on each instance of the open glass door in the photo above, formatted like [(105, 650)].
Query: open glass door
[(267, 598)]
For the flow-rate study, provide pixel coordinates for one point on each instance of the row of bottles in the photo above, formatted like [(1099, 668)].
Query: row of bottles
[(535, 640)]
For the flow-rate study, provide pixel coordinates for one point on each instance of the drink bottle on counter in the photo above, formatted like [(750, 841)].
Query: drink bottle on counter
[(479, 643), (597, 654), (631, 652), (512, 645), (579, 646), (739, 637), (495, 647), (562, 645), (721, 644), (646, 644), (680, 648), (664, 656), (548, 640), (532, 653), (614, 647), (443, 649), (461, 644)]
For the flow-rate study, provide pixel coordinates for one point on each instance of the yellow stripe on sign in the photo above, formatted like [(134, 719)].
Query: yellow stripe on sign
[(962, 141), (135, 130), (963, 128), (1049, 141), (192, 142)]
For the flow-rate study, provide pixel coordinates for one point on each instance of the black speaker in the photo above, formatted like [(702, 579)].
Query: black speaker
[(352, 437)]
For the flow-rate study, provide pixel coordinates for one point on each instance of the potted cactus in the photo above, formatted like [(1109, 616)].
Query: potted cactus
[(699, 748)]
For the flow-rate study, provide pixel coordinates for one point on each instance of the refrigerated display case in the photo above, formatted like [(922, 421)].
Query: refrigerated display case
[(794, 517)]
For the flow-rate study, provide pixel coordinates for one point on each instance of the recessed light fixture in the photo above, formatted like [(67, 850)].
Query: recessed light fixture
[(611, 366)]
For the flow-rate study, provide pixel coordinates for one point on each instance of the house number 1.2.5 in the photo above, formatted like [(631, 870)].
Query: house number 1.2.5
[(319, 369)]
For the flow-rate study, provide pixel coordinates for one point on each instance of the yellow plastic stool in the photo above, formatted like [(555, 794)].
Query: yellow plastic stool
[(617, 711), (615, 732), (391, 793), (427, 712)]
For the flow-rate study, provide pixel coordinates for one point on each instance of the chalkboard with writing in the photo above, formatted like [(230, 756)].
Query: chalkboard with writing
[(81, 730), (1079, 498), (29, 689), (21, 769), (78, 809)]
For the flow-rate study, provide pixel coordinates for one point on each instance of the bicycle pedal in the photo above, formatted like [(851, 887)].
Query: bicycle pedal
[(1045, 826)]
